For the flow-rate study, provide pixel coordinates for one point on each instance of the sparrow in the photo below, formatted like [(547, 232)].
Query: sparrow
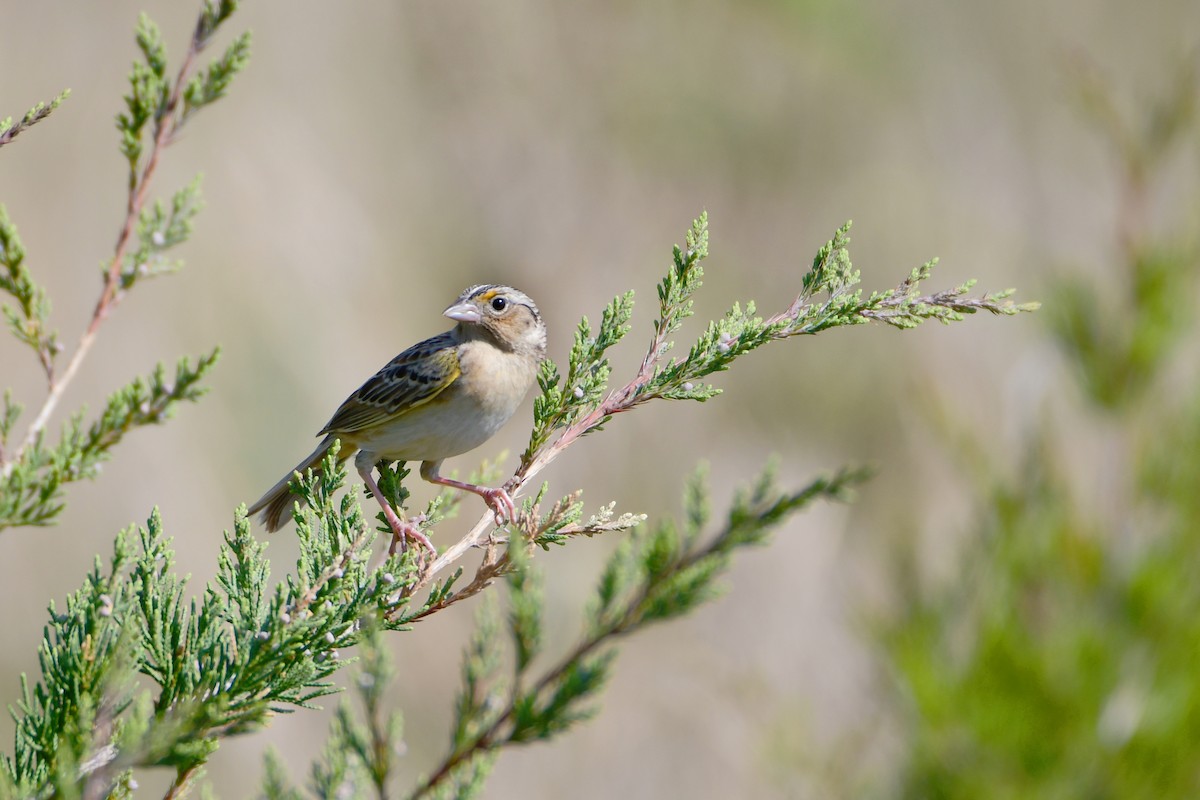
[(439, 398)]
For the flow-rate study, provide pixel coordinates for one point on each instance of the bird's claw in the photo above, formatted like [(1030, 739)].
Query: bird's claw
[(402, 530), (501, 504)]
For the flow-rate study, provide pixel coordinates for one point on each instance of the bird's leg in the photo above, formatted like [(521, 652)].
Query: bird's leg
[(498, 500), (401, 529)]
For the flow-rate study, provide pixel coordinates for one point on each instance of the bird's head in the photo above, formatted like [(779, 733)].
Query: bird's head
[(503, 314)]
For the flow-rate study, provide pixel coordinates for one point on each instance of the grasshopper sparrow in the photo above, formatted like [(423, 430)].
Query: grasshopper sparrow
[(439, 398)]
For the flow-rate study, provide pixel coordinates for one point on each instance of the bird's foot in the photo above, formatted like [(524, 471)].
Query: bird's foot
[(500, 502), (402, 530)]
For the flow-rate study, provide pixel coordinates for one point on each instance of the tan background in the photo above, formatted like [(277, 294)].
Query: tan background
[(377, 158)]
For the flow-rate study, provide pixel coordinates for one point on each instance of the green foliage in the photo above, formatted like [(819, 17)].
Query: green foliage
[(149, 94), (139, 673), (275, 781), (1117, 345), (1141, 142), (559, 406), (681, 282), (443, 506), (220, 666), (651, 578), (525, 608), (212, 15), (31, 493), (482, 687), (665, 574), (210, 85), (565, 520), (153, 97), (9, 131), (361, 754), (1120, 339), (30, 320), (85, 655), (34, 472), (159, 230), (583, 402), (1058, 667), (1062, 661)]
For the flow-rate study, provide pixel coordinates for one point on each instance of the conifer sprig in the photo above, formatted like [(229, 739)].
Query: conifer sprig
[(30, 320), (216, 667), (10, 131), (653, 577), (32, 472), (582, 402), (31, 494), (503, 701)]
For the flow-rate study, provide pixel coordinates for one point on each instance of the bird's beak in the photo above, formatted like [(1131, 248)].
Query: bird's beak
[(463, 312)]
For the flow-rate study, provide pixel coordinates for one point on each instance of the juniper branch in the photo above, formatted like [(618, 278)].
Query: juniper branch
[(582, 403), (30, 494), (221, 666), (151, 97), (9, 131), (665, 574), (224, 664), (29, 322)]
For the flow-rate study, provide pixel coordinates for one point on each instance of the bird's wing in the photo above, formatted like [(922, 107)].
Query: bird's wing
[(410, 380)]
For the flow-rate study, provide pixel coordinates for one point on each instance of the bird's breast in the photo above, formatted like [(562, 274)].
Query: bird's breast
[(470, 411), (495, 380)]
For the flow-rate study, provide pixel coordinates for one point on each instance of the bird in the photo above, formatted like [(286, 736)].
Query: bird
[(439, 398)]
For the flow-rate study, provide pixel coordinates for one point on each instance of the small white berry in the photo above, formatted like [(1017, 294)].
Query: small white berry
[(578, 392)]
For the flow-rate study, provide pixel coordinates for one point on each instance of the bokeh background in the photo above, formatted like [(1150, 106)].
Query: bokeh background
[(377, 158)]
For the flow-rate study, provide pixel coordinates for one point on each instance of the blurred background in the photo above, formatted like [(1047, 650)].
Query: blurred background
[(377, 158)]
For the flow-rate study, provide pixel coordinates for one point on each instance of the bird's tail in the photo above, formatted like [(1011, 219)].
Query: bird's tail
[(278, 500)]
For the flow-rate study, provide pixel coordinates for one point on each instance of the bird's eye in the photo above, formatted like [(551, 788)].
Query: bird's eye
[(499, 304)]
